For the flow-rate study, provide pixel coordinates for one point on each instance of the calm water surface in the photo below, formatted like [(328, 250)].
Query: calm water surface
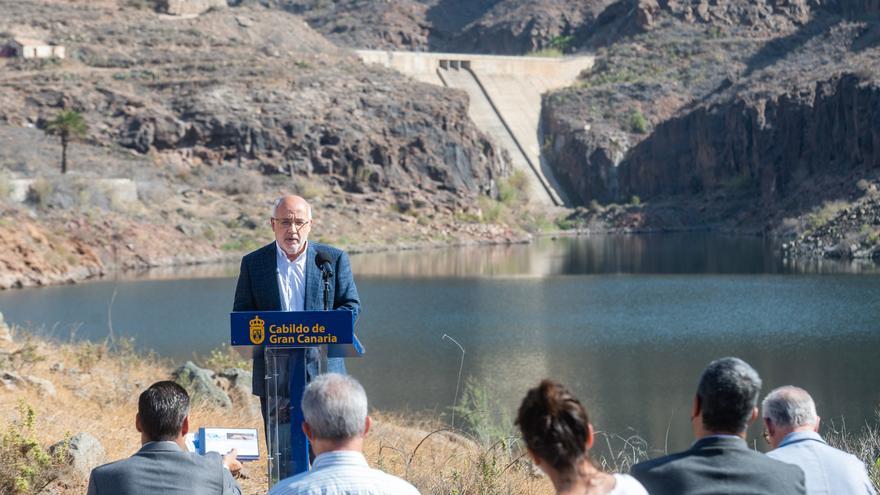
[(627, 322)]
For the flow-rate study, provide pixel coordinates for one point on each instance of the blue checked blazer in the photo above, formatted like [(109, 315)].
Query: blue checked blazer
[(257, 290)]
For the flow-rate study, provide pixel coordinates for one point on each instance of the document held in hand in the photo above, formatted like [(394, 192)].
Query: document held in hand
[(222, 440)]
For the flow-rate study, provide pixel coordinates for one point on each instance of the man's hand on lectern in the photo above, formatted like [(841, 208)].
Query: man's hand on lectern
[(231, 463)]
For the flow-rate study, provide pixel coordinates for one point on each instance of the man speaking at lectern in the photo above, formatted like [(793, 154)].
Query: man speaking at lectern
[(287, 275)]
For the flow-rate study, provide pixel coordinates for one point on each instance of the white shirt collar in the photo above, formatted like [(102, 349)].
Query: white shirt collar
[(339, 457)]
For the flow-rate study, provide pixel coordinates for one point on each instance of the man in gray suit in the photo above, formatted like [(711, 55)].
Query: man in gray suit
[(791, 426), (720, 461), (163, 465)]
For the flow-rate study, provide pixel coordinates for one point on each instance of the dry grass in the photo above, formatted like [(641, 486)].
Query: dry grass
[(97, 388), (438, 460), (96, 392), (865, 445)]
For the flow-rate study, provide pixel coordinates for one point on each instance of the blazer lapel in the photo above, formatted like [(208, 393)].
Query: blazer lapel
[(313, 282), (269, 272)]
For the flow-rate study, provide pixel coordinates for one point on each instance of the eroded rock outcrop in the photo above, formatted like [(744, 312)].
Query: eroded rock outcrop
[(771, 142)]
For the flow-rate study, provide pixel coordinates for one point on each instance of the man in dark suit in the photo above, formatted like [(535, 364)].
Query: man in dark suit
[(720, 462), (163, 465), (284, 276)]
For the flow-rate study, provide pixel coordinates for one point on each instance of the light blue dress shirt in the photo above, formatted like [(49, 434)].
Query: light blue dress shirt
[(343, 472), (291, 280), (827, 470)]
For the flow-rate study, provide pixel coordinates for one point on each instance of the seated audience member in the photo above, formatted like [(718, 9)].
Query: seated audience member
[(335, 412), (163, 465), (559, 435), (720, 461), (791, 427)]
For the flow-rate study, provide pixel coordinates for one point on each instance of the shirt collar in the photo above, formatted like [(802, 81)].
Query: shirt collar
[(282, 256), (164, 446), (711, 438), (797, 436), (340, 457)]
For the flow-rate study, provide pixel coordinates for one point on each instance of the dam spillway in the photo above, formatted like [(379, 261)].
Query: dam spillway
[(505, 100)]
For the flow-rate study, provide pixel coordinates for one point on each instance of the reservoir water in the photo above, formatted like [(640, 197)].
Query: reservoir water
[(628, 322)]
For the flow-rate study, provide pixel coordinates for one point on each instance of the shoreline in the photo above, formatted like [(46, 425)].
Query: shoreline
[(190, 266)]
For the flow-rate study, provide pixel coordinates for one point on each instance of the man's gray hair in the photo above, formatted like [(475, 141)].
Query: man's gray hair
[(278, 202), (790, 406), (335, 406), (728, 392)]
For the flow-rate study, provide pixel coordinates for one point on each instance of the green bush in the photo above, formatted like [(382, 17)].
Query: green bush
[(637, 122), (561, 43), (492, 210), (478, 409), (26, 467), (513, 188), (565, 223), (821, 216)]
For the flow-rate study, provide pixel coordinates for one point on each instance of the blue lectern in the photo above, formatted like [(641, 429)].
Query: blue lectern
[(297, 346)]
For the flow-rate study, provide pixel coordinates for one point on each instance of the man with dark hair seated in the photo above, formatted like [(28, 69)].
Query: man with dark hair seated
[(720, 461), (163, 465)]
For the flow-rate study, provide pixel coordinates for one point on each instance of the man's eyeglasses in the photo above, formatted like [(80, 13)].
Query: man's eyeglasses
[(296, 223)]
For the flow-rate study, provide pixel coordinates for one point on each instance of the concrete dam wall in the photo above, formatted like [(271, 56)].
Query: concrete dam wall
[(505, 100)]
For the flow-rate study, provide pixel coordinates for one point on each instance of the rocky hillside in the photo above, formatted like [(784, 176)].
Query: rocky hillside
[(750, 116), (212, 116), (511, 27)]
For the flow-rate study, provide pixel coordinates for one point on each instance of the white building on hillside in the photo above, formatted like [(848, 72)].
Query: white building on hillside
[(30, 48)]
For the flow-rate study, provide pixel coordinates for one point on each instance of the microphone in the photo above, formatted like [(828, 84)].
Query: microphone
[(323, 262)]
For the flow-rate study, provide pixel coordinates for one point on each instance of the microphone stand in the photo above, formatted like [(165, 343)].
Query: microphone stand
[(322, 360)]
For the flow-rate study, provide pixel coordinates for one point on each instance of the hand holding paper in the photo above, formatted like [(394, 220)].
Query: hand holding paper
[(231, 462)]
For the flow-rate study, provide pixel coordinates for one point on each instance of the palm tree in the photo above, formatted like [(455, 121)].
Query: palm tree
[(69, 124)]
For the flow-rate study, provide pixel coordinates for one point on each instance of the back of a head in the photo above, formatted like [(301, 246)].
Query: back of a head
[(728, 392), (162, 409), (790, 406), (335, 407), (554, 425)]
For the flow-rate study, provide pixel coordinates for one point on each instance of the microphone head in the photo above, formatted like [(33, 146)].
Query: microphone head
[(324, 263)]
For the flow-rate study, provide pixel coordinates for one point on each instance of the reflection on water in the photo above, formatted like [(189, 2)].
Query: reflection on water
[(628, 322), (679, 253)]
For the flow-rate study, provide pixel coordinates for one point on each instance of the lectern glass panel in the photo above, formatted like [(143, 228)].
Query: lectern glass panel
[(278, 420)]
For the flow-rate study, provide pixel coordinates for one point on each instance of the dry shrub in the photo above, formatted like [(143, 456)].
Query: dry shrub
[(865, 445), (242, 184), (439, 460)]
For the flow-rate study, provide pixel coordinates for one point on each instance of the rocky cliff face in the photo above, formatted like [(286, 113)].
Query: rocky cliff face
[(512, 27), (770, 143), (734, 110), (515, 27)]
